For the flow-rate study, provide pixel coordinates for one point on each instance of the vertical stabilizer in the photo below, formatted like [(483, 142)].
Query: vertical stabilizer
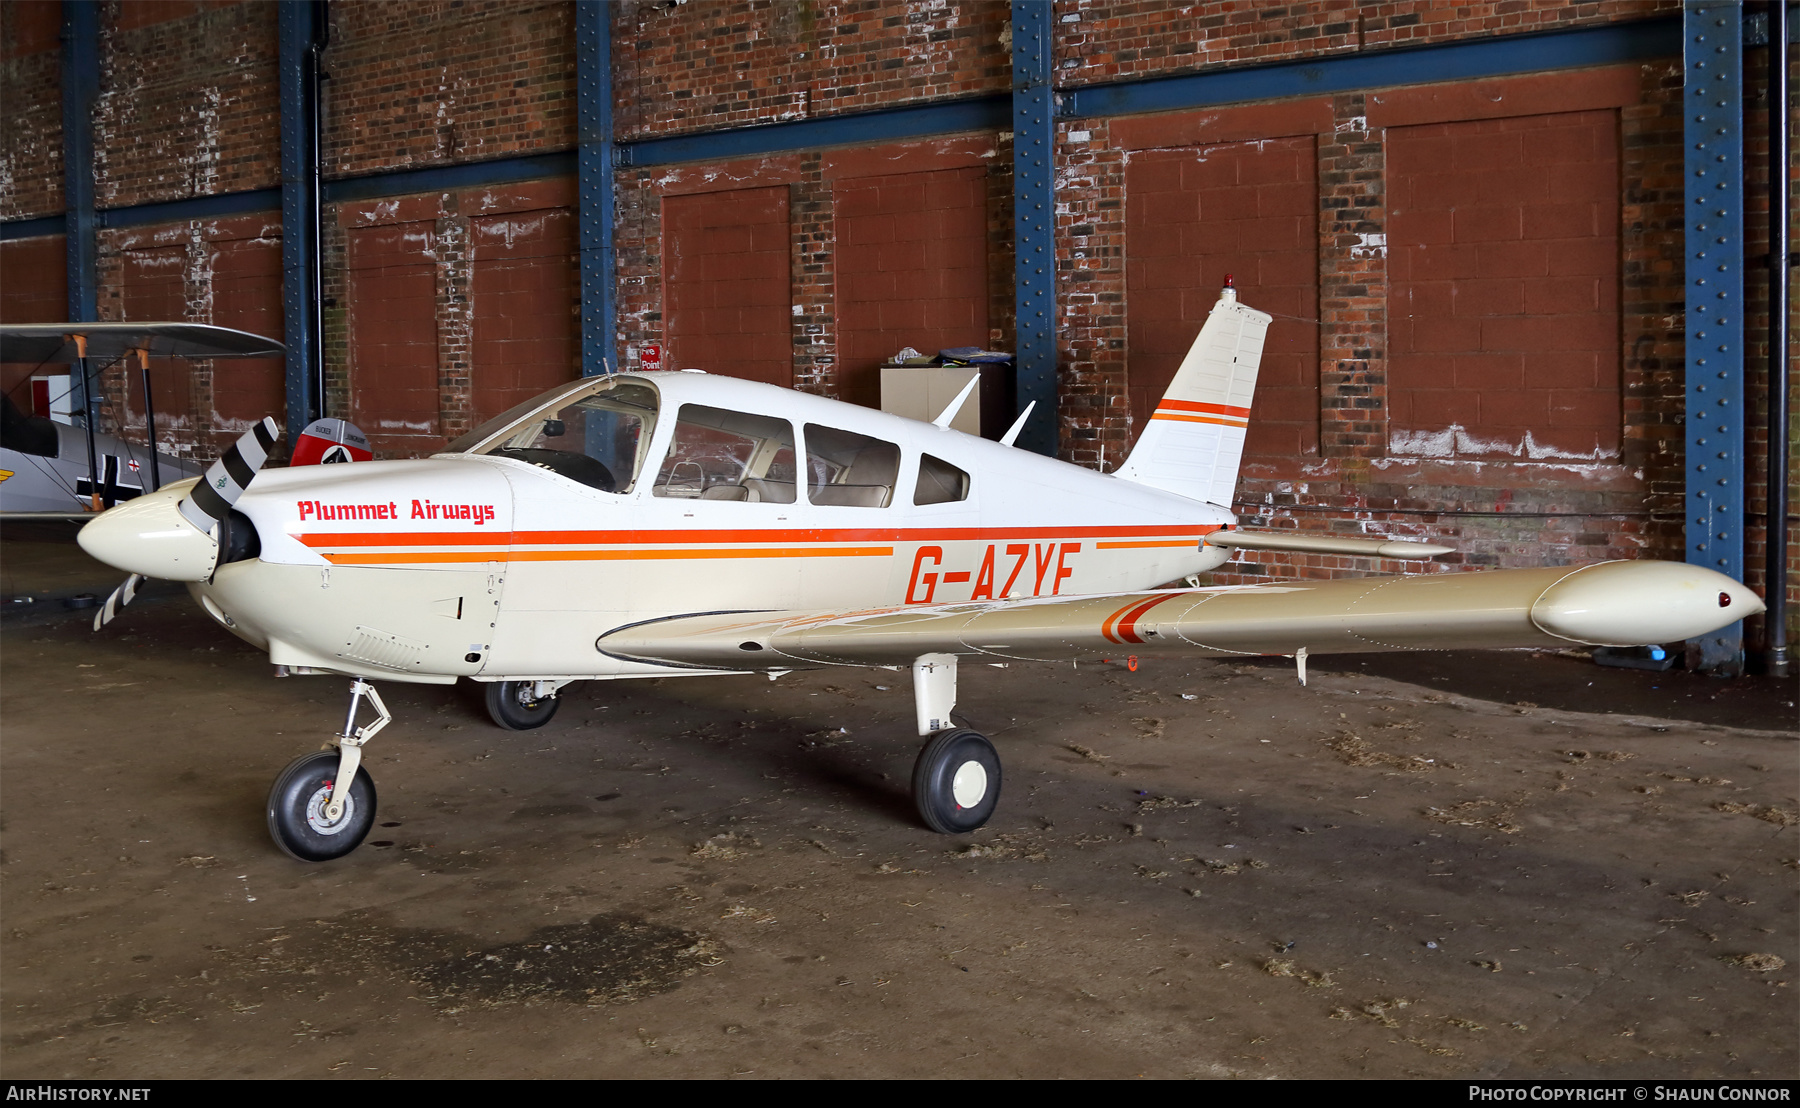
[(1195, 438)]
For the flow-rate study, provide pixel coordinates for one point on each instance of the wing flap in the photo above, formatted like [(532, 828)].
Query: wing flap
[(1604, 604)]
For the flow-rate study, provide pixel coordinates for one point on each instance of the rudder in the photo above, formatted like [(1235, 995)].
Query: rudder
[(1193, 442)]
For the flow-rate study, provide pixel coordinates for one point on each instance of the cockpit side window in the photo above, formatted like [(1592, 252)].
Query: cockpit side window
[(717, 454), (849, 470), (939, 482), (597, 435)]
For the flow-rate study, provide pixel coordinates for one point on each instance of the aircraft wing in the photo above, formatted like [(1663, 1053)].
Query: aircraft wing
[(53, 342), (1608, 604)]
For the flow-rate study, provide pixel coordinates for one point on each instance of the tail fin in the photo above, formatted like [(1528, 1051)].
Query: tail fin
[(1195, 439)]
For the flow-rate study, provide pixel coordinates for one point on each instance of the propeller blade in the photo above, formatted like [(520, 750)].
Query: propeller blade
[(225, 481), (120, 597)]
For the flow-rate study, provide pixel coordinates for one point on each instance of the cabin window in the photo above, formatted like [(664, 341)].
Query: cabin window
[(723, 455), (849, 470), (939, 482), (596, 434)]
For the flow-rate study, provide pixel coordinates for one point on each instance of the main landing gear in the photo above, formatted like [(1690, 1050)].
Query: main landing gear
[(323, 804), (521, 705), (956, 781)]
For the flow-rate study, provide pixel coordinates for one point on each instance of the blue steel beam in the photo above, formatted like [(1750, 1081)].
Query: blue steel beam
[(296, 30), (594, 187), (1034, 223), (982, 113), (404, 182), (1713, 130), (1458, 61), (80, 88)]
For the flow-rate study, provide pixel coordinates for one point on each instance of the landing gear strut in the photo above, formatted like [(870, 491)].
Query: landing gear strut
[(956, 781), (322, 805)]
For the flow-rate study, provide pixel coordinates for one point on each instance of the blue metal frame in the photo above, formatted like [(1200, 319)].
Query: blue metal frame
[(1469, 60), (403, 182), (1713, 123), (982, 113), (594, 186), (295, 32), (80, 88), (1034, 222)]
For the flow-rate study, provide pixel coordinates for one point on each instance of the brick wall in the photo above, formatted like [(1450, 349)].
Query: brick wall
[(1110, 40), (31, 165), (433, 81), (1622, 503), (708, 65), (188, 103)]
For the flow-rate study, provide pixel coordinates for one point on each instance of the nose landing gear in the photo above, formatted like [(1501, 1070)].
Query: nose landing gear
[(322, 805)]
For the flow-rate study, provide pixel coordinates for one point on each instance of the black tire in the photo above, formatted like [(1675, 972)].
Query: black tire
[(511, 705), (296, 803), (948, 755)]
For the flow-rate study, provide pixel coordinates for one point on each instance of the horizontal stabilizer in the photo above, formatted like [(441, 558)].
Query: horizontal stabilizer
[(1325, 544)]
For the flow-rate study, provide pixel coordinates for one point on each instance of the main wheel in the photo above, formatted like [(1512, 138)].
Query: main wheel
[(297, 801), (513, 705), (956, 781)]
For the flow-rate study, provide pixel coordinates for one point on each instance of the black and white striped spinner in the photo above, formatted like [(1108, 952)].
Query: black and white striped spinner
[(120, 597), (225, 481)]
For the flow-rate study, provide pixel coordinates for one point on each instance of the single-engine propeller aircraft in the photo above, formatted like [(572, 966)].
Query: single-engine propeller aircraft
[(681, 523)]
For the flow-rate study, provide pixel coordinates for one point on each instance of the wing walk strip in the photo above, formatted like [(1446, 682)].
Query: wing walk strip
[(576, 546)]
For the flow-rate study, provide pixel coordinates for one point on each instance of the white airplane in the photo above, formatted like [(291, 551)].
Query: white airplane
[(674, 524)]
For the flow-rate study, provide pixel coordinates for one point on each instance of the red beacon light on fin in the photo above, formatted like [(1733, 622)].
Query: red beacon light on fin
[(1229, 292)]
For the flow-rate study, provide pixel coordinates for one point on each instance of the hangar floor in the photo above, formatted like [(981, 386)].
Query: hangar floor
[(1198, 869)]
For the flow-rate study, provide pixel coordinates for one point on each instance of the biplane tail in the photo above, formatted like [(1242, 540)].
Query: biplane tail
[(1194, 440)]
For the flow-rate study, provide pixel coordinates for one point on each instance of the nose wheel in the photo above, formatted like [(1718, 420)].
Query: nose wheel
[(322, 805), (299, 820), (956, 781)]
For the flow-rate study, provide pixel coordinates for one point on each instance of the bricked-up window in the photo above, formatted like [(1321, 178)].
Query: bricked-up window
[(911, 270), (153, 290), (1503, 322), (247, 296), (393, 335), (1195, 214), (39, 300), (725, 282), (526, 310)]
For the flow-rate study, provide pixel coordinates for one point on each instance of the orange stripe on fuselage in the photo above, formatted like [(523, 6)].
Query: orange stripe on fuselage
[(795, 535), (439, 556)]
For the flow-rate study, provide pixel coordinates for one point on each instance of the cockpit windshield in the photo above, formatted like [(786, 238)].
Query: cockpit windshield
[(595, 432)]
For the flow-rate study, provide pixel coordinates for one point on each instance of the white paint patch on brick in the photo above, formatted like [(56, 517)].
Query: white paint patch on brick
[(1370, 246), (1455, 441)]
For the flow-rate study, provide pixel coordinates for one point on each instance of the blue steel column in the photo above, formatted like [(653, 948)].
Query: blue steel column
[(594, 174), (1713, 54), (1034, 222), (295, 31), (80, 88)]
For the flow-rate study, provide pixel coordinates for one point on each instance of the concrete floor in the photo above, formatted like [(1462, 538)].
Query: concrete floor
[(1198, 869)]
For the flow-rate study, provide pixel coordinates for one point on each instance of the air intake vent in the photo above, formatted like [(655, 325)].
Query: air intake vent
[(379, 648)]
